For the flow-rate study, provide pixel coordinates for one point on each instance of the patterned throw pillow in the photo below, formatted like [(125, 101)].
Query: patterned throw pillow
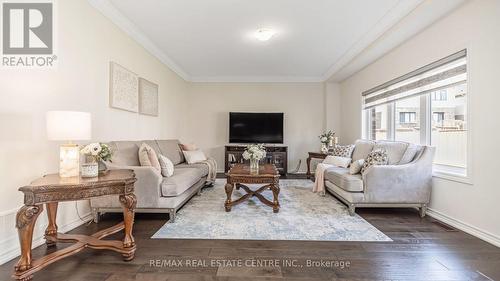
[(376, 157), (343, 150)]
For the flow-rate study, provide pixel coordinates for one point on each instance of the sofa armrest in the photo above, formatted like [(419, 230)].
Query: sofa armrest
[(147, 186), (408, 183)]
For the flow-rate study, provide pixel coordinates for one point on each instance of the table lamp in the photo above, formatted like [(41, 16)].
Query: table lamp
[(68, 126)]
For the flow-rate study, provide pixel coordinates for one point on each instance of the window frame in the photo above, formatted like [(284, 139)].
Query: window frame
[(426, 118)]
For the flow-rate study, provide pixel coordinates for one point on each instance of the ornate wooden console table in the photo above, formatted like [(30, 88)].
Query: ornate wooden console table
[(50, 190), (240, 173)]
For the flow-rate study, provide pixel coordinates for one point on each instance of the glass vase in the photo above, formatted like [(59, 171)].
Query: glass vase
[(254, 165)]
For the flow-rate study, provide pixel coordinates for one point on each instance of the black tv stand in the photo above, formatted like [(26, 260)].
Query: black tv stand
[(276, 154)]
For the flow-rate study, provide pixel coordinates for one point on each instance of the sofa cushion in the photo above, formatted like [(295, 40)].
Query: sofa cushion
[(409, 154), (376, 157), (148, 157), (394, 149), (343, 150), (125, 153), (180, 181), (167, 167), (362, 148), (341, 178), (171, 149), (201, 167)]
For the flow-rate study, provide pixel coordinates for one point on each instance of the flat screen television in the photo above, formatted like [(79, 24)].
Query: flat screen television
[(255, 127)]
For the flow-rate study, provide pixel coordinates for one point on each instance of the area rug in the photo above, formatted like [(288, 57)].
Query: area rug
[(303, 216)]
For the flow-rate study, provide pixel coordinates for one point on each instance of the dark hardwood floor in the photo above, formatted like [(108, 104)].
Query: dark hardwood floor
[(423, 249)]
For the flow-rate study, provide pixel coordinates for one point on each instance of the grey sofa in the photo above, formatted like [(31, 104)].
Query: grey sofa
[(155, 193), (405, 182)]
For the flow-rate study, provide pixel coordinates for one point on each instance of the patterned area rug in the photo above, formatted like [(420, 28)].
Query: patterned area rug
[(303, 216)]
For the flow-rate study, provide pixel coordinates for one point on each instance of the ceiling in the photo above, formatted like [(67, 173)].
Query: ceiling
[(212, 41)]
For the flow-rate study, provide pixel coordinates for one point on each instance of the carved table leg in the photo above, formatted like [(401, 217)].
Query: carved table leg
[(51, 230), (276, 191), (229, 192), (25, 222), (128, 203), (308, 174)]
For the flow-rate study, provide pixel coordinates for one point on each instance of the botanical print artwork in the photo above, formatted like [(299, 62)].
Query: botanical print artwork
[(124, 88), (148, 97), (303, 216)]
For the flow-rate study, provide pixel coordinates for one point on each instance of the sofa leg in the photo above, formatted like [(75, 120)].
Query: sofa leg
[(95, 215), (199, 192), (352, 210), (423, 210), (171, 215)]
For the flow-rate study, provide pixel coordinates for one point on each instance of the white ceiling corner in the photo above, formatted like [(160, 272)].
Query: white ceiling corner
[(108, 10), (193, 38)]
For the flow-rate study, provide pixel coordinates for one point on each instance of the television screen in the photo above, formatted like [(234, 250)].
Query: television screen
[(255, 127)]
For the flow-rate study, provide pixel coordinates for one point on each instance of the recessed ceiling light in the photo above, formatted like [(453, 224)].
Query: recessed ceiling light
[(264, 34)]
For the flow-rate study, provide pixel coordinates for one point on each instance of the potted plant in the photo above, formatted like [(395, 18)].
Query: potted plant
[(254, 153), (96, 154)]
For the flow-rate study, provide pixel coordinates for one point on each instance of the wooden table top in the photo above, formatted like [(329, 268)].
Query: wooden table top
[(265, 170), (52, 187)]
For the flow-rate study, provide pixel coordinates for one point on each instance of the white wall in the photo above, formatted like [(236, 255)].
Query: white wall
[(475, 26), (302, 103), (87, 43)]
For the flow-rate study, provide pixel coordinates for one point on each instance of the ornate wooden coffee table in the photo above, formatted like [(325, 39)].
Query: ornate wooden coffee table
[(240, 174), (50, 190)]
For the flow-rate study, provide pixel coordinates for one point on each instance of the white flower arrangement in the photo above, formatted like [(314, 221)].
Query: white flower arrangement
[(325, 138), (98, 151), (254, 152)]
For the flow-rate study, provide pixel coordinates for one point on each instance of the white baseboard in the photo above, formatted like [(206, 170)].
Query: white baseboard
[(472, 230), (12, 249)]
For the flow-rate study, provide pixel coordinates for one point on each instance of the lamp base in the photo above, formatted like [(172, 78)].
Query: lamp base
[(69, 161)]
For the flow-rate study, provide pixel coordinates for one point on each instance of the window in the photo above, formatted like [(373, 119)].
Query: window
[(427, 106), (441, 95), (437, 118), (378, 122), (407, 117), (449, 129), (408, 125)]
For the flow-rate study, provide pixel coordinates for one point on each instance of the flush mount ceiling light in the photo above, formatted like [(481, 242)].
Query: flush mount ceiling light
[(264, 34)]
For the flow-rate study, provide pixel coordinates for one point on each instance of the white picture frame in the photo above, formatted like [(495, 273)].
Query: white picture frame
[(148, 97), (123, 88)]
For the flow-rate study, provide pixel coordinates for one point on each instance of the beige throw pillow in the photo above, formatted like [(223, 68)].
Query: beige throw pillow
[(148, 157), (167, 167), (194, 156), (356, 166)]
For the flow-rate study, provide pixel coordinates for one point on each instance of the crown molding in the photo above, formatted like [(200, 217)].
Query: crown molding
[(109, 11), (256, 79)]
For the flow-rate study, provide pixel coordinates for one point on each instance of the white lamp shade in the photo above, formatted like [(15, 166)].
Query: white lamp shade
[(68, 125)]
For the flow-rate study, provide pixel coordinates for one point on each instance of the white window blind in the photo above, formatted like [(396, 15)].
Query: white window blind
[(444, 73)]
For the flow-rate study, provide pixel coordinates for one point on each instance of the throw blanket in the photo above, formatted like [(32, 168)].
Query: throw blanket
[(212, 169), (319, 181)]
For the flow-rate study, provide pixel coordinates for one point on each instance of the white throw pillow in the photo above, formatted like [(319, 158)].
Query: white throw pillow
[(167, 167), (194, 156), (337, 161), (356, 166)]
